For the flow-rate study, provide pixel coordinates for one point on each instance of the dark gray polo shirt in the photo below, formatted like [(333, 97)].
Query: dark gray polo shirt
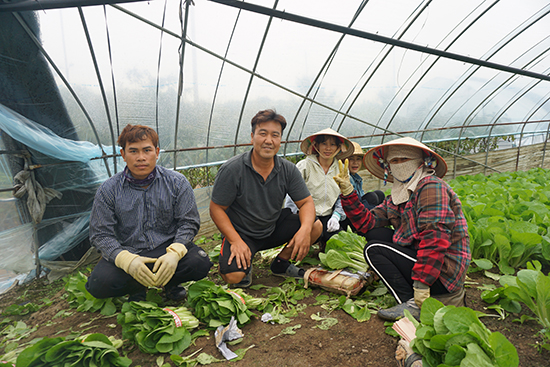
[(254, 204)]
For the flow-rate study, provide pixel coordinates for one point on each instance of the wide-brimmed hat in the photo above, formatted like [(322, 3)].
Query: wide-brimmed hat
[(346, 149), (375, 159), (357, 150)]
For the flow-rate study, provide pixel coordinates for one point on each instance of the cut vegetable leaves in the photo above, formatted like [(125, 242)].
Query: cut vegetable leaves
[(157, 330), (94, 350), (214, 305)]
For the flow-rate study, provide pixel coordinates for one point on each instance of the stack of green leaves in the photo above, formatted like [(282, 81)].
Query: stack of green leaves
[(93, 350), (214, 305), (345, 250), (83, 301), (454, 336), (157, 330)]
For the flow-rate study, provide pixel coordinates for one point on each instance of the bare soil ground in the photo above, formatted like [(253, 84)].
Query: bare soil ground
[(348, 343)]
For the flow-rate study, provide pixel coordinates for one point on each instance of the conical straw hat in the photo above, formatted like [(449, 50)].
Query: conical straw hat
[(357, 150), (375, 158), (346, 148)]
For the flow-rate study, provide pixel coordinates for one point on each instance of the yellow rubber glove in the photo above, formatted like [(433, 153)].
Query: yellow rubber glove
[(135, 266), (342, 179), (421, 292), (166, 265)]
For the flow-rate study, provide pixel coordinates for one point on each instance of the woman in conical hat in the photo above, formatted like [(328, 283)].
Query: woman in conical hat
[(323, 149), (427, 252)]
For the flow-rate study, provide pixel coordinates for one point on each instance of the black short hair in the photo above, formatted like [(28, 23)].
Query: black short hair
[(268, 115)]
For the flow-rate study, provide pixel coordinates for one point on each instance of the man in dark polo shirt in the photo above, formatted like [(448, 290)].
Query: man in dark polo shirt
[(247, 201)]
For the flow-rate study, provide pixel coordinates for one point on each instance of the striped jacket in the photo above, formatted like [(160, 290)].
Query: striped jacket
[(128, 217)]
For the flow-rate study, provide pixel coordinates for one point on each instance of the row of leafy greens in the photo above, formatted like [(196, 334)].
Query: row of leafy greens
[(508, 216)]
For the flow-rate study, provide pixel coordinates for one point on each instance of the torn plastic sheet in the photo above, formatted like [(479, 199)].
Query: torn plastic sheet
[(65, 240), (226, 334), (44, 140)]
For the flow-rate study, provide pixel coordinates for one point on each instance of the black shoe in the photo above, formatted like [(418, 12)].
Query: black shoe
[(396, 312), (177, 293), (246, 281), (138, 297)]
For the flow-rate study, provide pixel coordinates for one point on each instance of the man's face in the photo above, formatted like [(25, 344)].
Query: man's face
[(354, 163), (140, 157), (266, 139)]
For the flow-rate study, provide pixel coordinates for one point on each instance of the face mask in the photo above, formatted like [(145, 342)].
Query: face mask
[(403, 172)]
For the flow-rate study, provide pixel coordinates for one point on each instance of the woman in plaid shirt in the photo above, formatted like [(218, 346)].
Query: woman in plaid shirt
[(418, 240)]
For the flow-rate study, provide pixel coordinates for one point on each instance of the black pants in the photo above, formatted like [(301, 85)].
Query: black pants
[(285, 228), (326, 235), (107, 280), (393, 264)]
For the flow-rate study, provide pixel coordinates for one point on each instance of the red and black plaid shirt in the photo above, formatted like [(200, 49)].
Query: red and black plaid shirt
[(431, 222)]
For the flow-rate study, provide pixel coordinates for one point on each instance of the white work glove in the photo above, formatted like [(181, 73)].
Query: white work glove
[(134, 265), (166, 265), (421, 292), (342, 179), (333, 223)]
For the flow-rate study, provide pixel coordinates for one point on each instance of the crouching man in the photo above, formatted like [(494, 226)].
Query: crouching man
[(247, 201), (143, 221)]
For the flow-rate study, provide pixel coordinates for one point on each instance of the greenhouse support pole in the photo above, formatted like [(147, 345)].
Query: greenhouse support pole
[(180, 80)]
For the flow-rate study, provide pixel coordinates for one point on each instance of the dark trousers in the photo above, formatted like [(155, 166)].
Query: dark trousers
[(107, 280), (326, 235), (393, 264)]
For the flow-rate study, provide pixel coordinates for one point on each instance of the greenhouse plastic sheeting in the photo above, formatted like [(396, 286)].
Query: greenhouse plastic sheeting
[(43, 140), (127, 64)]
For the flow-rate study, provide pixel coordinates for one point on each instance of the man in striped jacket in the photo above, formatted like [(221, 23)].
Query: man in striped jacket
[(143, 221)]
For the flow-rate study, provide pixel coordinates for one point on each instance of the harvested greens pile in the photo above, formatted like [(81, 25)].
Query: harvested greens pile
[(157, 330), (214, 304), (93, 350), (345, 250), (83, 301)]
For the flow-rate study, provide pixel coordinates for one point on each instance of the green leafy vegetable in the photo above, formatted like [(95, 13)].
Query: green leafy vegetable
[(291, 330), (326, 322), (157, 330), (93, 350), (507, 215), (530, 287), (452, 336), (83, 301), (214, 305), (345, 250)]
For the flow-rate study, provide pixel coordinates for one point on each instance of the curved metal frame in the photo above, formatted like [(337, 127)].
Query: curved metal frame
[(322, 71), (383, 55), (433, 63), (355, 92)]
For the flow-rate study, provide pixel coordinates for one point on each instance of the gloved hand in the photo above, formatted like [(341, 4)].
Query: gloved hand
[(342, 179), (333, 223), (421, 292), (166, 265), (134, 265)]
